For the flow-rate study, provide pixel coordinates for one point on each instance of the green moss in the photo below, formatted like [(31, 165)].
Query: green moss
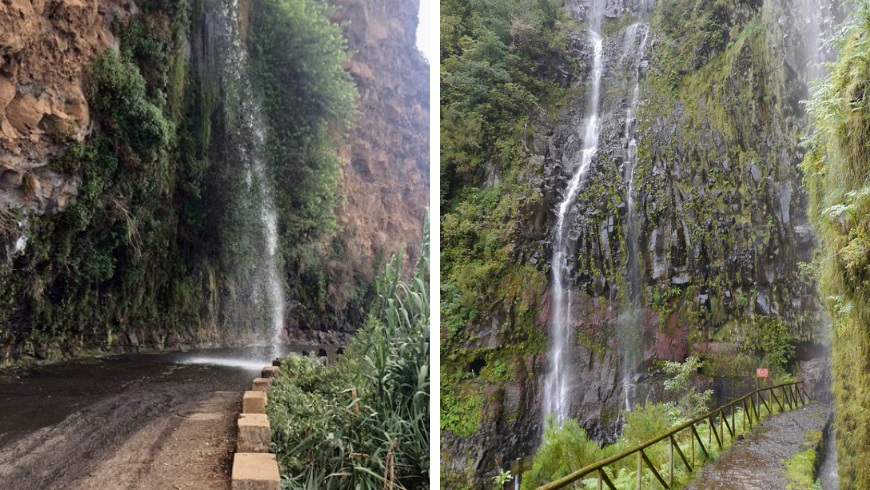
[(461, 405), (801, 468), (836, 166)]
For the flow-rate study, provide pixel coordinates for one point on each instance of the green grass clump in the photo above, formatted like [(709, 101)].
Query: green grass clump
[(364, 422), (801, 468)]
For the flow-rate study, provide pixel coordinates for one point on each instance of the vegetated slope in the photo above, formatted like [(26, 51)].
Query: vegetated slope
[(836, 168), (363, 422), (113, 186), (722, 232)]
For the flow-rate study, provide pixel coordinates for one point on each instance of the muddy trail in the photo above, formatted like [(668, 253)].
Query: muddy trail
[(758, 461), (138, 421)]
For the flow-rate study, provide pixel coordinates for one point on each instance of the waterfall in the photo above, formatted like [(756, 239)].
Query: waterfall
[(556, 390), (247, 132), (630, 322)]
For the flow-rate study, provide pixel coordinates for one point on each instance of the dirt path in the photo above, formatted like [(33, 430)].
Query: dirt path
[(140, 424), (757, 462)]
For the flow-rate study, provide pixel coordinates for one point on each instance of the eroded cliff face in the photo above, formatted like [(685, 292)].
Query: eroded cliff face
[(127, 272), (719, 233), (44, 49), (386, 174)]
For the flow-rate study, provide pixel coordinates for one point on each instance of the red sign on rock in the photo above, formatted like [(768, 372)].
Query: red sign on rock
[(761, 373)]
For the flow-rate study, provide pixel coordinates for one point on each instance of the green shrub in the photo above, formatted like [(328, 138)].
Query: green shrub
[(363, 423), (691, 404), (116, 91), (564, 449), (646, 422)]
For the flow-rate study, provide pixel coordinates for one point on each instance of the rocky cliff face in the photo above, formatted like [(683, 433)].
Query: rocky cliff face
[(44, 47), (99, 255), (386, 175), (720, 229)]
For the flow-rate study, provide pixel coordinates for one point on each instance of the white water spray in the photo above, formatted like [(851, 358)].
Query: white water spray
[(252, 136), (557, 387)]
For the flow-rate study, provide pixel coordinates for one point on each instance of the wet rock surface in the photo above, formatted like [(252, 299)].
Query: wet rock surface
[(816, 373), (386, 174), (757, 461)]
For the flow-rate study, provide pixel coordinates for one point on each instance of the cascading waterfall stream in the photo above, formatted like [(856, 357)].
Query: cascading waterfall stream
[(555, 396), (249, 145), (630, 321)]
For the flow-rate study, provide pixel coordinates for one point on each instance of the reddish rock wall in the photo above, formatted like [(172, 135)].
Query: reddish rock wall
[(386, 179)]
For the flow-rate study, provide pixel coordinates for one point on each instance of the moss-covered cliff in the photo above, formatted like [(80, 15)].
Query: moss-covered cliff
[(715, 220), (836, 168), (122, 220)]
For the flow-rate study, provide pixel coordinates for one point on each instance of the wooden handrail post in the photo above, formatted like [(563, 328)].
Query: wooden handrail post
[(721, 430), (639, 471), (757, 410), (733, 427), (671, 463), (600, 480), (744, 415), (710, 432), (749, 415), (692, 438)]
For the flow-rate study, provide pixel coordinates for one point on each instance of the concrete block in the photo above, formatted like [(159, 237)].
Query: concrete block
[(269, 372), (254, 402), (261, 384), (255, 471), (254, 433)]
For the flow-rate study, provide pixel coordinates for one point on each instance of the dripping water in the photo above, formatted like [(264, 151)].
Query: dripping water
[(630, 322), (248, 142)]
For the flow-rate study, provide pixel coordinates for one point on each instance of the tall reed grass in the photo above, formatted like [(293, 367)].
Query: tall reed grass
[(364, 422)]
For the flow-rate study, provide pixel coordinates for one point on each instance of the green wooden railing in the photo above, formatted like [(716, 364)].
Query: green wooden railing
[(753, 404)]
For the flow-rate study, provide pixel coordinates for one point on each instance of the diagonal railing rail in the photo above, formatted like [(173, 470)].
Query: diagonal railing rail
[(753, 404)]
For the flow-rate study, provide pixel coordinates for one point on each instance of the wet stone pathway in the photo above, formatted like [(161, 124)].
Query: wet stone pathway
[(758, 461)]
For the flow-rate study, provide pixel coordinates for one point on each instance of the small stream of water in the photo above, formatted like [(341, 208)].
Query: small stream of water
[(630, 322)]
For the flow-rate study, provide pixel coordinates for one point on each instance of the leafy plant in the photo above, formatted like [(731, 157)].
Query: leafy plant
[(692, 403), (363, 423), (501, 478)]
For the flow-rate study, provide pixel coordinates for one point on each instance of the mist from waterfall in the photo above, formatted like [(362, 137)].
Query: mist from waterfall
[(557, 384), (248, 142)]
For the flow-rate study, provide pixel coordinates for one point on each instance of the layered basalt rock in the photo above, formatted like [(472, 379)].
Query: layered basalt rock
[(386, 176), (722, 229)]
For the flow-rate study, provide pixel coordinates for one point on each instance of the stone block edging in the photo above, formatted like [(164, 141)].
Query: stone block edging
[(254, 468)]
